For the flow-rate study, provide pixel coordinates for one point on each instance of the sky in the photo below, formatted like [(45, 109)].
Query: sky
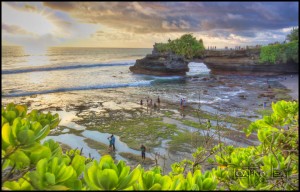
[(141, 24)]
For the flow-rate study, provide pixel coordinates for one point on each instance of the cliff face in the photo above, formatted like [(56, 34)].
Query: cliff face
[(161, 64), (243, 62)]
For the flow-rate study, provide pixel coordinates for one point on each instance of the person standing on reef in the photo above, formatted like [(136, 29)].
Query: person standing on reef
[(141, 101), (110, 143), (181, 103), (113, 142), (143, 149), (158, 100)]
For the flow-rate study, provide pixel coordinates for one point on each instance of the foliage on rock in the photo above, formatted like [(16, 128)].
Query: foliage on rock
[(294, 35), (280, 53), (186, 46)]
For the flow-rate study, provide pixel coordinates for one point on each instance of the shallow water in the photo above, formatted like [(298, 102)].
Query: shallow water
[(83, 110), (75, 141)]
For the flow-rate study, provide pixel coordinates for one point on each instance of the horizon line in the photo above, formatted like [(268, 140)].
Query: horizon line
[(83, 47)]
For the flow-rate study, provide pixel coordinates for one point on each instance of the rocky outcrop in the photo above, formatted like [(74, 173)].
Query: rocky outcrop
[(225, 62), (160, 64), (243, 62)]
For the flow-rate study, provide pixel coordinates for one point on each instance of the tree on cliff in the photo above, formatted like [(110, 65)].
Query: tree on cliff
[(294, 35), (186, 46)]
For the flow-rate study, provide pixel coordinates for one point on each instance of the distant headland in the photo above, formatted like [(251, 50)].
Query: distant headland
[(172, 58)]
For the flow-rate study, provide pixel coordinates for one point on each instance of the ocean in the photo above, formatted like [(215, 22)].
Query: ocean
[(60, 69)]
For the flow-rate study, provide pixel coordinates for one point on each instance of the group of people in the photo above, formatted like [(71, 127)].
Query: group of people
[(113, 148), (212, 47), (150, 103)]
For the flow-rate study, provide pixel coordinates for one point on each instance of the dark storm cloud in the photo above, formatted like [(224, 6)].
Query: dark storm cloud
[(242, 18)]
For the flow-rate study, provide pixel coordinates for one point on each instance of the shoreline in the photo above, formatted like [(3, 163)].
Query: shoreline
[(87, 116), (291, 82)]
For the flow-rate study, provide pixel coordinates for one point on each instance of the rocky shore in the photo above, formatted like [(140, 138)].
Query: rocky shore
[(291, 82), (89, 116)]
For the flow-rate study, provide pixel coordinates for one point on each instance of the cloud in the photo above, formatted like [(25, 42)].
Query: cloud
[(33, 42), (147, 17), (176, 25), (25, 6), (14, 29), (214, 20), (63, 6)]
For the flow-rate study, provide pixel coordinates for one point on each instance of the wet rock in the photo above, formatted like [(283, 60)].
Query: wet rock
[(161, 64), (242, 96), (58, 109), (244, 62), (137, 158), (267, 94), (205, 79), (33, 96)]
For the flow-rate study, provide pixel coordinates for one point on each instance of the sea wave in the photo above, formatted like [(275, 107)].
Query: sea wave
[(79, 88), (66, 67)]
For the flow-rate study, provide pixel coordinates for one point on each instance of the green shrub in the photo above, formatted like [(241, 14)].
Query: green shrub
[(280, 53), (186, 46)]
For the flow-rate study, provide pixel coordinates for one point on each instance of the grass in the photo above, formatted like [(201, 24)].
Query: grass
[(101, 147), (240, 122), (137, 158), (194, 124), (168, 113), (95, 144), (282, 94), (200, 125), (186, 142), (236, 120), (264, 112), (142, 130)]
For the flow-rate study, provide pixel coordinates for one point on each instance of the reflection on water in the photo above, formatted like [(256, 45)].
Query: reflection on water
[(203, 132), (102, 137), (37, 78), (75, 141), (36, 57)]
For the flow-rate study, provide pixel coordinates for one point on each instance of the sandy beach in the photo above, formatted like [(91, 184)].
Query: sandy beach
[(292, 82)]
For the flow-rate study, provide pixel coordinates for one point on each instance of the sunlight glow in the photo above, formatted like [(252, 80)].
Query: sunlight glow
[(34, 22), (39, 24)]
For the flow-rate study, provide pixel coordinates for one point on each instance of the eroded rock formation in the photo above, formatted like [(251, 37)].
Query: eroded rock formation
[(161, 64), (226, 62), (243, 62)]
